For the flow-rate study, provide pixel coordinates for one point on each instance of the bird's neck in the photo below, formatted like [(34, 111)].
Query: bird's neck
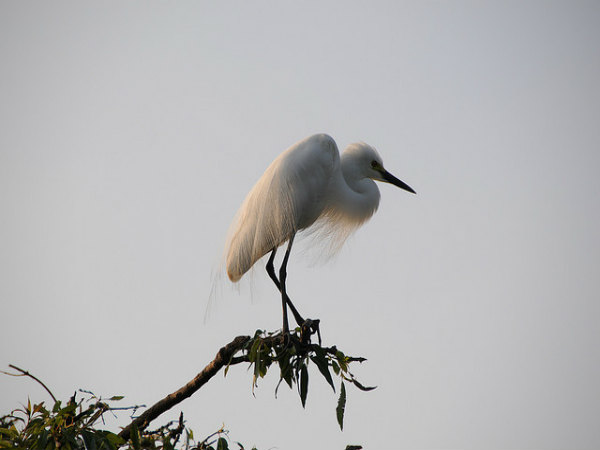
[(357, 196)]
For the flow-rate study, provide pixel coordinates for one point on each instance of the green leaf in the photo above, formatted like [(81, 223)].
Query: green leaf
[(115, 398), (135, 437), (303, 384), (358, 359), (289, 379), (284, 365), (341, 406), (264, 363), (253, 350), (257, 364), (39, 407), (323, 367), (8, 433), (113, 440), (167, 445), (43, 438), (285, 370), (336, 368), (222, 444), (361, 387), (88, 440), (342, 361)]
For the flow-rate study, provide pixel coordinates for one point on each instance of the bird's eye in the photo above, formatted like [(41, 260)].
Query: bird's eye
[(374, 164)]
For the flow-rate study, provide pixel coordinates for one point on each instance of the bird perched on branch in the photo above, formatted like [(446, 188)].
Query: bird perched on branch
[(309, 186)]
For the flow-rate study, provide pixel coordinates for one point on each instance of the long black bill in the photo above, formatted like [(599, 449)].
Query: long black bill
[(396, 182)]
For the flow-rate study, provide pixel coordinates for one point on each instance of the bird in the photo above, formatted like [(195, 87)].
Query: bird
[(308, 187)]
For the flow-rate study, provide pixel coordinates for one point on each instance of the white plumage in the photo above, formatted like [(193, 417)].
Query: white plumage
[(307, 185)]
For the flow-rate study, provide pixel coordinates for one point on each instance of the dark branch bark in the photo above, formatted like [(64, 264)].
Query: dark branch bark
[(222, 359)]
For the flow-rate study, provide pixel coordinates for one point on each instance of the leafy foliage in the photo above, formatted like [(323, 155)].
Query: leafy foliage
[(75, 426), (78, 424), (70, 426), (293, 355)]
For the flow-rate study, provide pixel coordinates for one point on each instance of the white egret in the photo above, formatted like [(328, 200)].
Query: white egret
[(308, 185)]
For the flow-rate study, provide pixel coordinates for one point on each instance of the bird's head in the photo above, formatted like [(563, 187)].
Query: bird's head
[(367, 161)]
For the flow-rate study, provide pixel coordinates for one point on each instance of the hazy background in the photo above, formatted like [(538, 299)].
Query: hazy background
[(131, 132)]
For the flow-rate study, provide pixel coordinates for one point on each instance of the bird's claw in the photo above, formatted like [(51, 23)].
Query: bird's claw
[(308, 328)]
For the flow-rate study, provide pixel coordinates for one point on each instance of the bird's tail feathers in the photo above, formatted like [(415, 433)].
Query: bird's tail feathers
[(266, 220)]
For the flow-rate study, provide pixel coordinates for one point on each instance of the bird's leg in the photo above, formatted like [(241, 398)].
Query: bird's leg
[(271, 272), (282, 278), (307, 327), (271, 269)]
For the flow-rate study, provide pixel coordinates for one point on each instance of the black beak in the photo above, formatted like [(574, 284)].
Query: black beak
[(396, 182)]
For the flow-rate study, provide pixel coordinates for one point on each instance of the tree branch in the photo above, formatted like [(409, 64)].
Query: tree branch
[(222, 358)]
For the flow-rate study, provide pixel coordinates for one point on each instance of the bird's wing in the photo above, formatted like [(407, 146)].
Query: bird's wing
[(289, 197)]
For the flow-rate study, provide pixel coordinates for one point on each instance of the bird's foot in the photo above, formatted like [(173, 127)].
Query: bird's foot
[(308, 328)]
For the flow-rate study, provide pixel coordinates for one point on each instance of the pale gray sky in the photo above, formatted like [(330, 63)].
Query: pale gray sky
[(132, 132)]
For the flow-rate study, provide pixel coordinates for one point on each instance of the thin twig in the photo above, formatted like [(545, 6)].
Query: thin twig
[(25, 373), (125, 408)]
